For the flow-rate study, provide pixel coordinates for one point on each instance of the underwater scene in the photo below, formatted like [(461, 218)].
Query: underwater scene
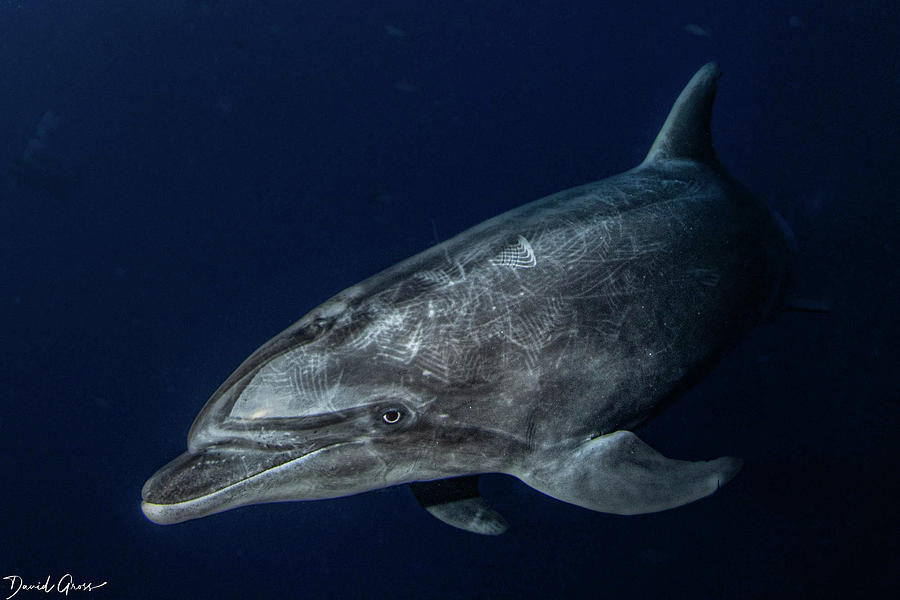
[(343, 299)]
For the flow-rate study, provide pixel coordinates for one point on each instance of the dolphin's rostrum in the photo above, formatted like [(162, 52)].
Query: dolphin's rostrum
[(531, 344)]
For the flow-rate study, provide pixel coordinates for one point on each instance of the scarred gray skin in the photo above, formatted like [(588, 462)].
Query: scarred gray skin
[(510, 348)]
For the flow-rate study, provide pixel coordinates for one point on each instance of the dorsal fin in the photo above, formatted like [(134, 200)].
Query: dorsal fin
[(685, 134)]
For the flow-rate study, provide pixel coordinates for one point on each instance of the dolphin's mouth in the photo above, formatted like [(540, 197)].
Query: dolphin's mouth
[(202, 483)]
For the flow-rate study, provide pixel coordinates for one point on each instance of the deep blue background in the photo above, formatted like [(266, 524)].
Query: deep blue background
[(217, 169)]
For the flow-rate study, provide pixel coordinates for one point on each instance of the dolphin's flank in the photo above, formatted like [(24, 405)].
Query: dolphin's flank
[(531, 344)]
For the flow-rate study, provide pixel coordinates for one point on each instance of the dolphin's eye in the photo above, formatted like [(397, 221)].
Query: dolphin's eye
[(391, 416)]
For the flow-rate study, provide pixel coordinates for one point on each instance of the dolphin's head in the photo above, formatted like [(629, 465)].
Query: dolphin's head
[(317, 412)]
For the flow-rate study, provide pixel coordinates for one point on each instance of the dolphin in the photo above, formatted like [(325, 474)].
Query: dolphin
[(532, 344)]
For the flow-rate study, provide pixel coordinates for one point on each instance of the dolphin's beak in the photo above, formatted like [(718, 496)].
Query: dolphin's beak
[(202, 483), (197, 484), (240, 458)]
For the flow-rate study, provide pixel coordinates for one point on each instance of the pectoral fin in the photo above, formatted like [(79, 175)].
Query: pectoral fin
[(618, 473), (457, 502)]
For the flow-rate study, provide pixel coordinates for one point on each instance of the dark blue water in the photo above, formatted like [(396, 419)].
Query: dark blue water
[(181, 180)]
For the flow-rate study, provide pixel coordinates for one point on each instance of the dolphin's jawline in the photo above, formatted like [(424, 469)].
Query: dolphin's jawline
[(185, 510)]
